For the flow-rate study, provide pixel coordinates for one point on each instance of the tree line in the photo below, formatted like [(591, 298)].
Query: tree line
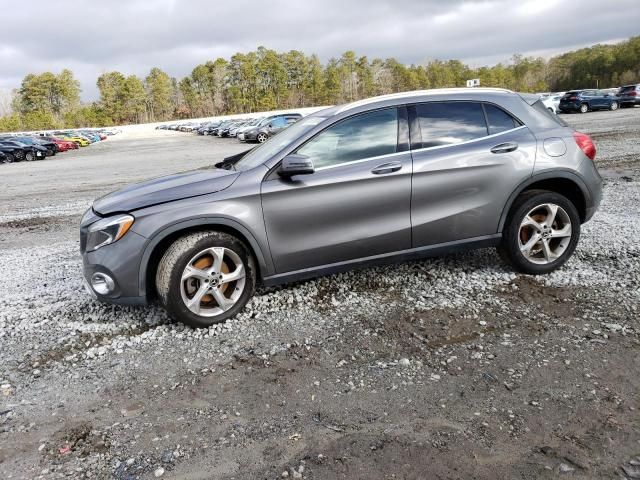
[(265, 80)]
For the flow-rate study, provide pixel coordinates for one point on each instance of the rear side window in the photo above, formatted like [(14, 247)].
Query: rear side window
[(448, 123), (498, 120), (364, 136), (278, 122), (539, 106)]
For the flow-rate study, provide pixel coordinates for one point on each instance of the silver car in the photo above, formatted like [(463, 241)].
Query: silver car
[(390, 178)]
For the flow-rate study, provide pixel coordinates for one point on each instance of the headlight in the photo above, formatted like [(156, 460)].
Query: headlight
[(107, 231)]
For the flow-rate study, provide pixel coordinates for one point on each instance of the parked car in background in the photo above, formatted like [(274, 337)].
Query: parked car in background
[(233, 131), (50, 147), (220, 126), (552, 102), (211, 128), (24, 151), (268, 127), (346, 187), (12, 153), (248, 125), (4, 158), (584, 101), (77, 139), (63, 145), (629, 95)]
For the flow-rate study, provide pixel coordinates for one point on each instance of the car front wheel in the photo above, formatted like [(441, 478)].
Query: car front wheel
[(205, 278), (541, 232), (262, 137)]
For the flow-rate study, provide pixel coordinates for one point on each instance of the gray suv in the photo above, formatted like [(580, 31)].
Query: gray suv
[(268, 127), (391, 178)]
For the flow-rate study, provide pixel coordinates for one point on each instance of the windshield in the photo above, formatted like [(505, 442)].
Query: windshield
[(264, 152)]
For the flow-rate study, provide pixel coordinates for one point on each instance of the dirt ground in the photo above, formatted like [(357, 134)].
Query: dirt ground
[(448, 368)]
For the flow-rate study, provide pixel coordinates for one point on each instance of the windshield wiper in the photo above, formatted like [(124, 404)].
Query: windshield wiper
[(229, 162)]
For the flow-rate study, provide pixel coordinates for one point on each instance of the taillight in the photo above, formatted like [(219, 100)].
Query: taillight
[(573, 98), (586, 144), (633, 93)]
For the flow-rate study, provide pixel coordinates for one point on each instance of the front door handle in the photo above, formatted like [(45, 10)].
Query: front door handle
[(505, 147), (387, 168)]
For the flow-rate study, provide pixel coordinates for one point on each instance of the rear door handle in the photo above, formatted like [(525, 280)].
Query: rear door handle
[(387, 168), (505, 147)]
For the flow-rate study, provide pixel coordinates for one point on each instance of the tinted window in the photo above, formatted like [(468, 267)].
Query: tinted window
[(448, 123), (363, 136), (499, 120)]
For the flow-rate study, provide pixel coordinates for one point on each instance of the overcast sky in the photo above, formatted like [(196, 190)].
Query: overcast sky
[(91, 37)]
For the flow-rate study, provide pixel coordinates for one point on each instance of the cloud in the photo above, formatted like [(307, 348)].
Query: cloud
[(134, 35)]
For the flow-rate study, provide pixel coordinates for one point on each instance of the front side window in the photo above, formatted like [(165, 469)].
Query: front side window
[(448, 123), (364, 136)]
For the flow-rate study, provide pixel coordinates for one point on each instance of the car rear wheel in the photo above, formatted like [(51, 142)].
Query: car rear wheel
[(9, 158), (541, 232), (205, 278), (584, 108), (262, 137), (613, 106)]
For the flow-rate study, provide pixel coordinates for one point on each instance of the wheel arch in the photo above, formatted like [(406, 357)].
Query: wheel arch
[(161, 241), (565, 183)]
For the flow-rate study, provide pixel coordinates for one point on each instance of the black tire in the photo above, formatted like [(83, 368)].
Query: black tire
[(29, 157), (9, 158), (509, 248), (584, 108), (614, 106), (262, 137), (173, 263)]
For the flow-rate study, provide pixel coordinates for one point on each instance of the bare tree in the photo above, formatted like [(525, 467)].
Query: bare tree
[(6, 99)]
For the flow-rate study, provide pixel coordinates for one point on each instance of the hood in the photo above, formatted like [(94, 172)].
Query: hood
[(165, 189)]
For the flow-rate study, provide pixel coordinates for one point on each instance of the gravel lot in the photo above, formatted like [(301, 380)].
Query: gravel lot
[(446, 368)]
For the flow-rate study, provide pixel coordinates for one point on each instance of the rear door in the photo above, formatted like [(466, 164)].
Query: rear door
[(593, 98), (355, 205), (467, 159)]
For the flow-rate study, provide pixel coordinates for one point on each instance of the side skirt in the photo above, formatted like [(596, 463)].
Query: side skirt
[(384, 259)]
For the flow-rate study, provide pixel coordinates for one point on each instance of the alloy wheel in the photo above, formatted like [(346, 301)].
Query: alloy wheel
[(545, 234), (262, 137), (584, 108), (213, 281), (614, 105)]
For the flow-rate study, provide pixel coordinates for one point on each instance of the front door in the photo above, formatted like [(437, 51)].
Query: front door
[(356, 204)]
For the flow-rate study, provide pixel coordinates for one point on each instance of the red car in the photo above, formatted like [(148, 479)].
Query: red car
[(63, 145)]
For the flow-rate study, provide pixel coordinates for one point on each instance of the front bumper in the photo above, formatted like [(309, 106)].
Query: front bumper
[(248, 136), (120, 261)]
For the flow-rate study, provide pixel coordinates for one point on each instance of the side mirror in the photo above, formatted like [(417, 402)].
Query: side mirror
[(295, 164)]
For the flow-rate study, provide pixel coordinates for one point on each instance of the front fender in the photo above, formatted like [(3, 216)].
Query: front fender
[(264, 261)]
